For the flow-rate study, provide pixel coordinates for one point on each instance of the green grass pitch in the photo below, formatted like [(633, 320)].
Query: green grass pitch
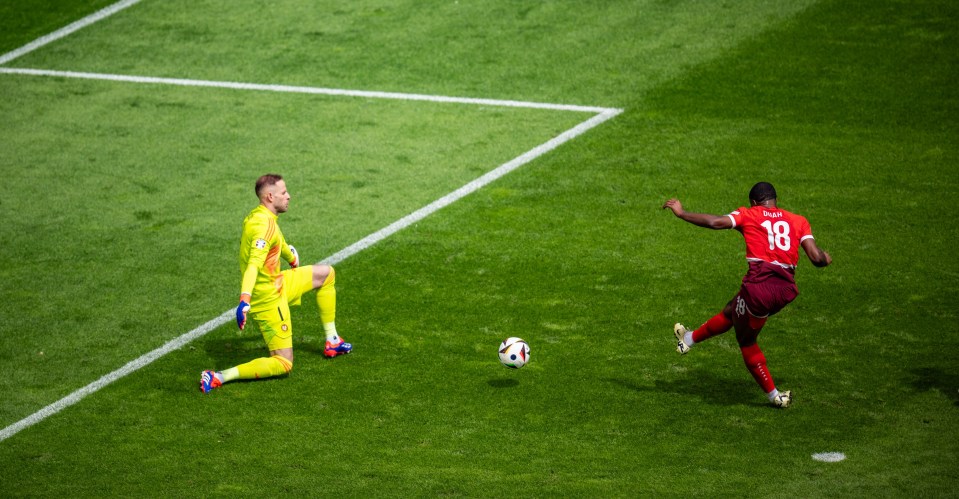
[(121, 207)]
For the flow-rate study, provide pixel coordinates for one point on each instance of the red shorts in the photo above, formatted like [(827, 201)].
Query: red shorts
[(766, 289)]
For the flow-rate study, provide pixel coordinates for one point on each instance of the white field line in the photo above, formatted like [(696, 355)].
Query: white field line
[(471, 187), (302, 90), (602, 115), (66, 30), (341, 255)]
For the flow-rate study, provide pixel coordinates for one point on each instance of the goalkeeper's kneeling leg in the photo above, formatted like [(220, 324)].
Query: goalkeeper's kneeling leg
[(265, 367)]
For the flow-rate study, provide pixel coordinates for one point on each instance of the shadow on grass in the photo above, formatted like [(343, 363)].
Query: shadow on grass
[(231, 351), (702, 385), (503, 382), (933, 378)]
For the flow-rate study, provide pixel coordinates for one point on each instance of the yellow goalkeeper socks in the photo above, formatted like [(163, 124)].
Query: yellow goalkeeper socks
[(326, 301), (264, 367), (229, 375)]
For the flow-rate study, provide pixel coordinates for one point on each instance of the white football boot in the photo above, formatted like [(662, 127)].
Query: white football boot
[(680, 331)]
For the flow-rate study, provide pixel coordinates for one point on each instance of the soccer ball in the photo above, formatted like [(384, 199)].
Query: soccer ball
[(514, 352)]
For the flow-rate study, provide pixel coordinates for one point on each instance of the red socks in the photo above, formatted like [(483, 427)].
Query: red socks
[(718, 324), (752, 354), (756, 363)]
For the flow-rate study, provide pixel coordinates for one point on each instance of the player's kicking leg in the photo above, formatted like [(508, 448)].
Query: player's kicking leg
[(716, 325)]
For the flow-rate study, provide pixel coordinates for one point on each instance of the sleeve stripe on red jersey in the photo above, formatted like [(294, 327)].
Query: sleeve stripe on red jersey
[(732, 218)]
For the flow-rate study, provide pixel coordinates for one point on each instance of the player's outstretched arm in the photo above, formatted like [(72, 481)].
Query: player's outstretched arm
[(816, 255), (701, 219)]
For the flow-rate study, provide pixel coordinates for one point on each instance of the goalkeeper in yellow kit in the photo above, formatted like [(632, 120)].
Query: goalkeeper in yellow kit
[(266, 292)]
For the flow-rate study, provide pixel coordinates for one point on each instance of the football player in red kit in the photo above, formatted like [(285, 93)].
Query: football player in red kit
[(773, 237)]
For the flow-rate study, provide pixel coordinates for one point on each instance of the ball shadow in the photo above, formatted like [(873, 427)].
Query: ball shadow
[(503, 382)]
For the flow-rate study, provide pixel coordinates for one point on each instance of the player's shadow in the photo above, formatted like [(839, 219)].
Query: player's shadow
[(700, 385), (231, 351), (503, 382), (310, 344), (932, 378)]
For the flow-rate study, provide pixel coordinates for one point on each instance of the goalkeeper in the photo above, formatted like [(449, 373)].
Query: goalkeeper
[(266, 292)]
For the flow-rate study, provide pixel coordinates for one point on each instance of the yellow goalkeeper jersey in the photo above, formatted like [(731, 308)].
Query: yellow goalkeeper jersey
[(261, 247)]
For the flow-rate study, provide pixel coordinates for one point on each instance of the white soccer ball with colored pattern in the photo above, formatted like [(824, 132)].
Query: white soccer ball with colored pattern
[(514, 352)]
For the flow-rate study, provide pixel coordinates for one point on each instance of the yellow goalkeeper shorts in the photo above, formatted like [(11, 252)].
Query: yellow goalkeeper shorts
[(275, 323)]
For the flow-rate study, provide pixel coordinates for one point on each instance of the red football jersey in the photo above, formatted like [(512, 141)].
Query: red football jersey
[(772, 235)]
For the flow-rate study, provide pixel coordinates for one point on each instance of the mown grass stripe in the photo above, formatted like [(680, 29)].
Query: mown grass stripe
[(343, 254), (67, 30)]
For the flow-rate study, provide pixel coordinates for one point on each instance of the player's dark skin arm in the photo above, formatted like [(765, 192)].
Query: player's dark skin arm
[(701, 219), (816, 255)]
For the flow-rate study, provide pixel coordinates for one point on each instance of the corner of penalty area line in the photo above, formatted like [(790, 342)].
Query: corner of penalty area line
[(602, 115)]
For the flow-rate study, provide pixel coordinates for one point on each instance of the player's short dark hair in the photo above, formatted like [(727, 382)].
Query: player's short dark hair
[(266, 181), (763, 191)]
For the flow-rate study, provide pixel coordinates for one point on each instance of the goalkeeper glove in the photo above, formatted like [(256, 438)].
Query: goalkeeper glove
[(296, 258), (242, 309)]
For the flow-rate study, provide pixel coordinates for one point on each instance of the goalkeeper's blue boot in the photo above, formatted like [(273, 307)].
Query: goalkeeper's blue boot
[(339, 348), (209, 381)]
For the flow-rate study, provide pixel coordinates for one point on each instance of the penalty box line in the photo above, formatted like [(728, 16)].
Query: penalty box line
[(338, 92), (602, 115), (67, 30)]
